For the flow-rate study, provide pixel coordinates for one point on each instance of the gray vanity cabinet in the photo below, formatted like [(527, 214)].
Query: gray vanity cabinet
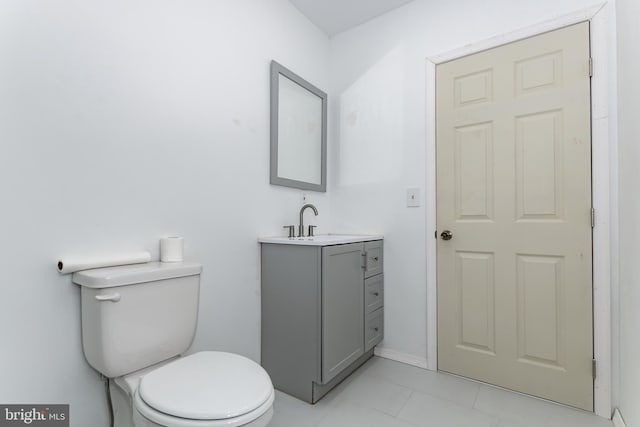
[(321, 313)]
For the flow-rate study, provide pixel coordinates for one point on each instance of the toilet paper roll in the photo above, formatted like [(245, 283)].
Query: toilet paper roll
[(171, 249), (73, 264)]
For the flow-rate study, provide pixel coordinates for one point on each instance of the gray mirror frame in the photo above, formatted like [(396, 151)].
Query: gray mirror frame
[(277, 70)]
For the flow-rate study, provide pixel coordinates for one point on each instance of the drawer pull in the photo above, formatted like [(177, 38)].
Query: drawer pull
[(375, 258), (375, 294), (375, 329)]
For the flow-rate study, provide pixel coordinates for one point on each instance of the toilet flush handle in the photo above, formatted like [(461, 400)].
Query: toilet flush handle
[(115, 297)]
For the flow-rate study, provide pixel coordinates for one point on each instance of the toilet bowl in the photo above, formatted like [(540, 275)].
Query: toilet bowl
[(137, 321), (205, 389)]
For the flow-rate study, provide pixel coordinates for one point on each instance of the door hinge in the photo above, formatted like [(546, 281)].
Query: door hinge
[(593, 218), (590, 67), (593, 367)]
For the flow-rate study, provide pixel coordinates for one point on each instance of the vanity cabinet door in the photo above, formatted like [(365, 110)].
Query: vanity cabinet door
[(342, 307)]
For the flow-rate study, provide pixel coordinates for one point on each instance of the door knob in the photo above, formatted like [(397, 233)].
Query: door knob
[(446, 235)]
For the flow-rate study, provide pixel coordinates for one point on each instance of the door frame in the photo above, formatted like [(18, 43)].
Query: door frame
[(604, 196)]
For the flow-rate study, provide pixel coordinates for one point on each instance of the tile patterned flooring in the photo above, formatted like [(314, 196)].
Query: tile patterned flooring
[(384, 393)]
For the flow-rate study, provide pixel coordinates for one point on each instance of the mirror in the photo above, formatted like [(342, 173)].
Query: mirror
[(298, 131)]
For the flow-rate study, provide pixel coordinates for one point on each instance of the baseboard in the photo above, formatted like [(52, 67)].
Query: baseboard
[(398, 356), (617, 419)]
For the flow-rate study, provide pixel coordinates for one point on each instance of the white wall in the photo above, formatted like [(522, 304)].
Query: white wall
[(628, 24), (378, 90), (122, 122)]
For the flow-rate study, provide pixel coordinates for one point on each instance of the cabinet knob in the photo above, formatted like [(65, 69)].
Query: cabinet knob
[(375, 294)]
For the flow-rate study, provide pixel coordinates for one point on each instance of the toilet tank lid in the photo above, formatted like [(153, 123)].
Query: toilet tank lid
[(135, 273)]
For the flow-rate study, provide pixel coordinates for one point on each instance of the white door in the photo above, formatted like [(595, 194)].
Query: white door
[(514, 190)]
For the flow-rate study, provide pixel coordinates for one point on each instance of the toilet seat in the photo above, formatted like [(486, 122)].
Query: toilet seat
[(205, 389), (265, 410)]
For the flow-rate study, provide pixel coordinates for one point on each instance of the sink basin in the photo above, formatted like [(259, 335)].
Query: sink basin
[(320, 240)]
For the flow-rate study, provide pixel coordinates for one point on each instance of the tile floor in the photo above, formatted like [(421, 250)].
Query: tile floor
[(384, 393)]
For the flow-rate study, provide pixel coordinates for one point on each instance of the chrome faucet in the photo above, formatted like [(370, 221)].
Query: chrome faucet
[(301, 226)]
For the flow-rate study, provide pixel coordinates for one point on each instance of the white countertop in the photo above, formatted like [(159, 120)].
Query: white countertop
[(321, 240)]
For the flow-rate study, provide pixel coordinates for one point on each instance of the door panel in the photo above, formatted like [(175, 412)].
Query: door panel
[(474, 167), (476, 281), (539, 163), (514, 188), (540, 295)]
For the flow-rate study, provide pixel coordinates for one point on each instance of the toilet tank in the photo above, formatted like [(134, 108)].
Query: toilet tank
[(137, 315)]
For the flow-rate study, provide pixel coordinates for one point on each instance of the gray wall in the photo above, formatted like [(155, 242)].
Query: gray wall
[(122, 122)]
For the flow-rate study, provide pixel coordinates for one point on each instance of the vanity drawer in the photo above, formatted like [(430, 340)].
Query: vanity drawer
[(373, 329), (374, 261), (373, 293)]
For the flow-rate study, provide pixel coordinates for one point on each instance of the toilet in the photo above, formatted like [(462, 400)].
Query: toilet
[(137, 321)]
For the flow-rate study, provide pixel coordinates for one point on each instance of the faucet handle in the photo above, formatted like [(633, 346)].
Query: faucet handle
[(311, 227), (292, 230)]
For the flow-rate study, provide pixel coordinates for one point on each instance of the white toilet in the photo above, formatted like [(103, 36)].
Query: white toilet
[(136, 322)]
